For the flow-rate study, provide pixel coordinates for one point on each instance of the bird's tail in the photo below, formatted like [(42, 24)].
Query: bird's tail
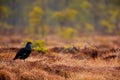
[(14, 58)]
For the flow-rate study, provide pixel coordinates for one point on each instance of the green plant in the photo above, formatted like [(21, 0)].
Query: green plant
[(39, 46), (67, 32), (64, 16)]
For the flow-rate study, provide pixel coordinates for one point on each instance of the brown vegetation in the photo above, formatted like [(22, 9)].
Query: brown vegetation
[(85, 62)]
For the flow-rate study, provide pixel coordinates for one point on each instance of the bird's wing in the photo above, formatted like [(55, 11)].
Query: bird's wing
[(20, 53), (26, 54)]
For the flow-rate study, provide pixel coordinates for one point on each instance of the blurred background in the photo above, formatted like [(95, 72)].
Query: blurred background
[(64, 18)]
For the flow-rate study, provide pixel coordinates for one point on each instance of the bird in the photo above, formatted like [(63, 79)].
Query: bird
[(24, 52)]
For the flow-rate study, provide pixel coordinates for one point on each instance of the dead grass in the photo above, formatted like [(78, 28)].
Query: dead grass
[(6, 75), (60, 63)]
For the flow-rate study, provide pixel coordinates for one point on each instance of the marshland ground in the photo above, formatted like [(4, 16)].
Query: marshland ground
[(82, 58)]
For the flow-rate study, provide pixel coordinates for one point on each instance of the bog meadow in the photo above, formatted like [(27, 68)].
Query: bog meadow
[(71, 39)]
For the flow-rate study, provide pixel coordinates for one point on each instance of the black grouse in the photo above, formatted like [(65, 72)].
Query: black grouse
[(23, 53)]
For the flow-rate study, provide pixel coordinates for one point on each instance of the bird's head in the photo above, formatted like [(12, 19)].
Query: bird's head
[(28, 45), (29, 42)]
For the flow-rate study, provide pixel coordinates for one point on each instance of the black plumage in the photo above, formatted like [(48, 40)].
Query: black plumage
[(23, 53)]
